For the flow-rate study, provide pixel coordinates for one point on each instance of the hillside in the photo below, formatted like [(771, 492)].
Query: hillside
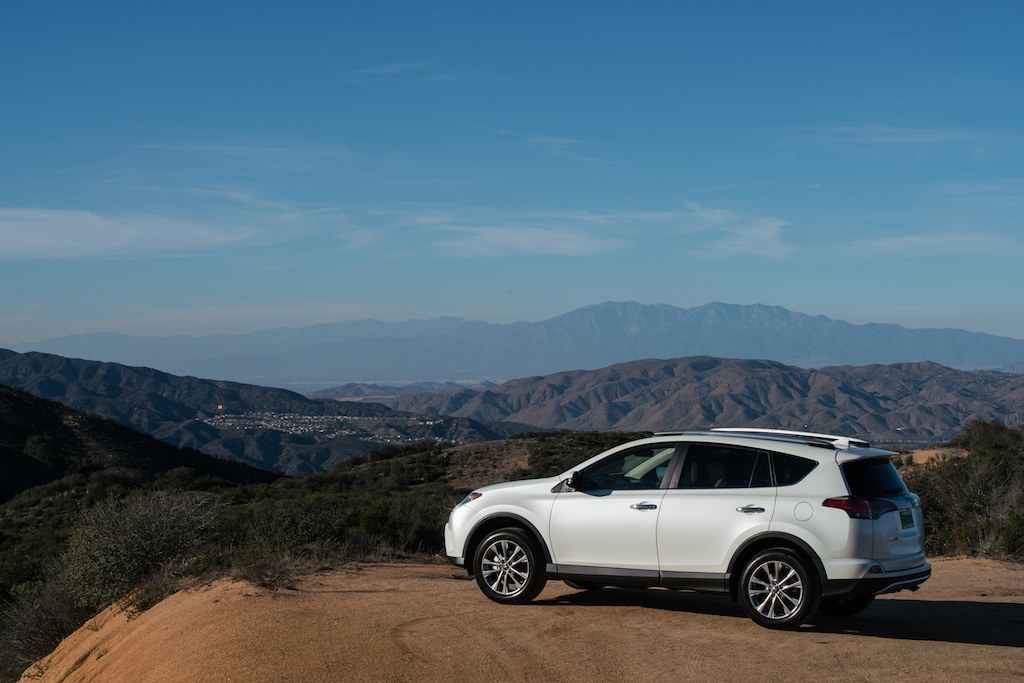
[(902, 403), (43, 441), (446, 349), (273, 429), (54, 460)]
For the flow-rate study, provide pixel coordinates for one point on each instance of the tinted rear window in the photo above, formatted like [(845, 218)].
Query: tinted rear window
[(789, 469), (875, 478)]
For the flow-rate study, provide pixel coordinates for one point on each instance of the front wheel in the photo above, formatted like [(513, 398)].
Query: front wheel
[(507, 568), (777, 590)]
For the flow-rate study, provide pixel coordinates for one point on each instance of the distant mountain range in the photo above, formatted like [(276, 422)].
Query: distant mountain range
[(452, 349), (910, 403), (272, 429)]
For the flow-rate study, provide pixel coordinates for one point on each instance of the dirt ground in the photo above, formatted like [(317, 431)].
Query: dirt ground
[(420, 622)]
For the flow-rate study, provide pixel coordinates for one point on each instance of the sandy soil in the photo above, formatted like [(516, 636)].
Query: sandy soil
[(420, 622), (923, 456)]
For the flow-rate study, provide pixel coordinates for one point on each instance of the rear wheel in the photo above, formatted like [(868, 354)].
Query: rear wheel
[(846, 607), (507, 567), (778, 590)]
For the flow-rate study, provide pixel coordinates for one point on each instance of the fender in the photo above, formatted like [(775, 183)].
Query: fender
[(767, 538), (516, 520)]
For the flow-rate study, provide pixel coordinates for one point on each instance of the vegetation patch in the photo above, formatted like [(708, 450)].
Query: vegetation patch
[(974, 504)]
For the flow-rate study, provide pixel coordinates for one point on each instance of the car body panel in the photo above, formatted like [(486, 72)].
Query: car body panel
[(606, 529), (700, 529)]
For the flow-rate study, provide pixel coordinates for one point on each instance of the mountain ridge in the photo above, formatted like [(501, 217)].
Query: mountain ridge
[(921, 402), (269, 428), (454, 349)]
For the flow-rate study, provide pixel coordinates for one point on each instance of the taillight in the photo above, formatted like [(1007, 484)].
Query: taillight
[(861, 508)]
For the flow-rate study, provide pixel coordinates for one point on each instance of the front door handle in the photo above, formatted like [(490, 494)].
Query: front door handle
[(643, 506), (750, 509)]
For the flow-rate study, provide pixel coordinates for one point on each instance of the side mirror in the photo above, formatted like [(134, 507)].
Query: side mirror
[(575, 481)]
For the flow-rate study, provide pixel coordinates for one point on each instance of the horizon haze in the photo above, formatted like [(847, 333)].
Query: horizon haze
[(449, 349)]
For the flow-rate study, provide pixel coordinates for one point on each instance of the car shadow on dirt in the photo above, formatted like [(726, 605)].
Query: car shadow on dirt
[(952, 621)]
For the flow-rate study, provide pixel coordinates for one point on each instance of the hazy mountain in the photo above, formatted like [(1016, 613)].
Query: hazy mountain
[(908, 402), (451, 349), (272, 429)]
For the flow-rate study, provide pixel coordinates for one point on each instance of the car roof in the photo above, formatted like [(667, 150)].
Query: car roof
[(850, 447)]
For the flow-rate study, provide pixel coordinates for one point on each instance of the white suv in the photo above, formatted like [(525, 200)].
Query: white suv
[(784, 522)]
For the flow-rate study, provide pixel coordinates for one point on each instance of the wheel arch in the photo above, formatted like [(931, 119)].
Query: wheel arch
[(502, 520), (768, 541)]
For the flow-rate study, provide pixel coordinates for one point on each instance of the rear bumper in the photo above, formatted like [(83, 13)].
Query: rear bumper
[(879, 583)]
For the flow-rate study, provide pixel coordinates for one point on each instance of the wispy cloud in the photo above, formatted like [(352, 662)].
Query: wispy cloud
[(239, 219), (62, 234), (937, 244), (754, 237), (566, 148), (413, 70), (474, 232), (884, 134), (734, 233), (551, 145), (272, 153), (975, 142), (995, 192), (507, 240)]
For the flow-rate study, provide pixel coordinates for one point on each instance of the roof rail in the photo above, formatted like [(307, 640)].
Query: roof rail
[(837, 441)]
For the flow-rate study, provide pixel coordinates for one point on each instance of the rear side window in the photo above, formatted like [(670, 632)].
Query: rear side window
[(710, 466), (789, 469), (873, 478)]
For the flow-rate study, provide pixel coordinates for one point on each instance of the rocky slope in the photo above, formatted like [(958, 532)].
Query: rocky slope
[(908, 402)]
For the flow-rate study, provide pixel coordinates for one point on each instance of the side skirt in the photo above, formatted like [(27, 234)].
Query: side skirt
[(642, 578)]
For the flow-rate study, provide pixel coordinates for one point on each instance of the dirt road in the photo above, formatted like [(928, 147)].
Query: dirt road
[(417, 622)]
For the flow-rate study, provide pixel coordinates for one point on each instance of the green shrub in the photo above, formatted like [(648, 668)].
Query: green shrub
[(973, 503), (33, 623), (120, 543), (552, 453)]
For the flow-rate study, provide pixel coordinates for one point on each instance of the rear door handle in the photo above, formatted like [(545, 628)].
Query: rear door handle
[(750, 509), (644, 506)]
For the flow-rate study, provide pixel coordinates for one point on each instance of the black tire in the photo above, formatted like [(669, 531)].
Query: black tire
[(582, 585), (508, 567), (778, 589), (846, 607)]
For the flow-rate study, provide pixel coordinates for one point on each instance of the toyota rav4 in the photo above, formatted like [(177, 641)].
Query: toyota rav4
[(786, 523)]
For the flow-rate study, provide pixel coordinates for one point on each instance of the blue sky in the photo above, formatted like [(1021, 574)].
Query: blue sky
[(222, 167)]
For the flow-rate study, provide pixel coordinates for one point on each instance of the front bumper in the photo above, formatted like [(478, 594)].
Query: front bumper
[(449, 547)]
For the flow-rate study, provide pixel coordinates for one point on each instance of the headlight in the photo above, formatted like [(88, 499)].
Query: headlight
[(469, 498)]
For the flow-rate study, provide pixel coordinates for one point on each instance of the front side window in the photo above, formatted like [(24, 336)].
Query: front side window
[(713, 466), (634, 469)]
